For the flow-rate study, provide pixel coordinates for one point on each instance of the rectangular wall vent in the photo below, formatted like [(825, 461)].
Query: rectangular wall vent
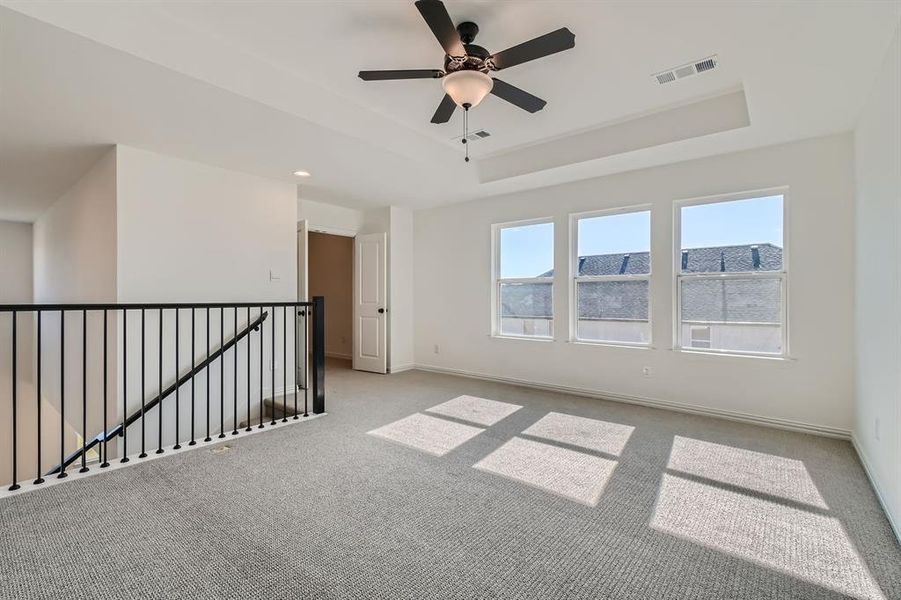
[(687, 70), (475, 136)]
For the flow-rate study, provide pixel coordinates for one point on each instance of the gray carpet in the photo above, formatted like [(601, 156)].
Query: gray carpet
[(626, 502)]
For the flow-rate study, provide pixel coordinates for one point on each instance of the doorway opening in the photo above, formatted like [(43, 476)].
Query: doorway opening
[(330, 274)]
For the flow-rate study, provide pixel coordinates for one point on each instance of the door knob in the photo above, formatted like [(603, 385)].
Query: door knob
[(381, 311)]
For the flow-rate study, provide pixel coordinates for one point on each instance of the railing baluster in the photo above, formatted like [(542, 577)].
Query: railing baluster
[(177, 445), (15, 485), (222, 373), (84, 391), (249, 338), (284, 364), (105, 449), (193, 387), (306, 362), (235, 386), (272, 364), (207, 438), (143, 453), (40, 477), (62, 394), (294, 337), (262, 331), (125, 458), (159, 404)]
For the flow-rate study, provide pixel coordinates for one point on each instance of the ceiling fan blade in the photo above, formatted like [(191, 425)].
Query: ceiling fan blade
[(445, 110), (549, 43), (440, 23), (401, 74), (516, 96)]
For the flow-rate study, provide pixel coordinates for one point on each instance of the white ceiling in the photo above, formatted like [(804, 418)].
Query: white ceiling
[(271, 87)]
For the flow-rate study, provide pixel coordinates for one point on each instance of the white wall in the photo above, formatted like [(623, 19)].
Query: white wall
[(194, 233), (329, 218), (877, 145), (15, 262), (15, 288), (75, 240), (188, 232), (452, 289), (400, 289)]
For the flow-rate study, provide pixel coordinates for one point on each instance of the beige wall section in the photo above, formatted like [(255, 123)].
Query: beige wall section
[(331, 275), (453, 292), (877, 145)]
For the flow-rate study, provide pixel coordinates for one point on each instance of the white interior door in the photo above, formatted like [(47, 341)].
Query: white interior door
[(300, 339), (370, 310)]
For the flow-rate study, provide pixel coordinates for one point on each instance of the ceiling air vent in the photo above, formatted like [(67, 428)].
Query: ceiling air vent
[(687, 70), (475, 136)]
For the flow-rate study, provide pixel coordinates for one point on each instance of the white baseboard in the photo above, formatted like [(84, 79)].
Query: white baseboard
[(865, 461), (823, 430), (402, 368)]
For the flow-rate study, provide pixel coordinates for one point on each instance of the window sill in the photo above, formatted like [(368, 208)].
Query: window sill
[(612, 345), (521, 338), (764, 357)]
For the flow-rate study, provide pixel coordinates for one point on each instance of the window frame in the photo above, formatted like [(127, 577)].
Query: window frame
[(575, 279), (497, 280), (782, 276)]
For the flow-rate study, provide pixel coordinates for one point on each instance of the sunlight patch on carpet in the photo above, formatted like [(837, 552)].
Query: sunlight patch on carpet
[(775, 475), (573, 475), (480, 411), (806, 545), (591, 434), (429, 434)]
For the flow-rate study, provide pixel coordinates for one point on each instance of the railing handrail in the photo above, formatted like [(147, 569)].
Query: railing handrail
[(139, 305), (158, 398)]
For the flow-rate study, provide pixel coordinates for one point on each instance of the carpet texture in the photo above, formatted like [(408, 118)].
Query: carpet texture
[(688, 507)]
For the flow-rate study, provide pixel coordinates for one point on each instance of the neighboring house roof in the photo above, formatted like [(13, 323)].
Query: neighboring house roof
[(744, 300)]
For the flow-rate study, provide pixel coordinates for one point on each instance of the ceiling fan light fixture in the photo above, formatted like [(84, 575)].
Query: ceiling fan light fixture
[(467, 87)]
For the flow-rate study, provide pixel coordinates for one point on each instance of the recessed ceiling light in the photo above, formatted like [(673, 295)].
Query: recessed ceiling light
[(302, 173)]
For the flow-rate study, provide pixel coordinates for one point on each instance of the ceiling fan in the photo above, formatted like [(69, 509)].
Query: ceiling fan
[(465, 77)]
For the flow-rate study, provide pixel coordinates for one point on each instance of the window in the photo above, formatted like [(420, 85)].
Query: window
[(611, 275), (524, 279), (731, 276)]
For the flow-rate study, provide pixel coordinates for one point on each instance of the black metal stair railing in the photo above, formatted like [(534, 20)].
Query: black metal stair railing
[(306, 377)]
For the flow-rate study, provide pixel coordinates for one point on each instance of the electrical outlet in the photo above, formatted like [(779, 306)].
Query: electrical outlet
[(646, 371), (876, 428), (437, 350)]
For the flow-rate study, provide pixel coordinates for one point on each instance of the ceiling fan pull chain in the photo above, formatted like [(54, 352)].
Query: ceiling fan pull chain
[(466, 131)]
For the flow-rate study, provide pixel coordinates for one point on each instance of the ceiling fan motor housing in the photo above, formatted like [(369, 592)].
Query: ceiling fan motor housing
[(477, 57)]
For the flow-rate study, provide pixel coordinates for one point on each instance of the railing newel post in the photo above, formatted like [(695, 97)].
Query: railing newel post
[(318, 354)]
